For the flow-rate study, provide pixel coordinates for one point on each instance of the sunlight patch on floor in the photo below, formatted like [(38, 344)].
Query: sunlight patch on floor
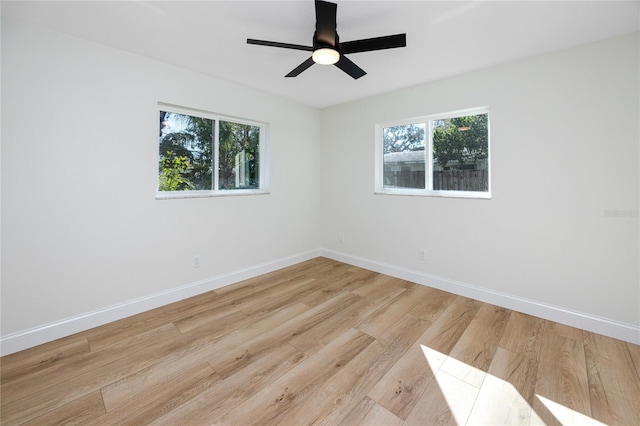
[(478, 398), (566, 415), (463, 371), (508, 406), (459, 395), (434, 358)]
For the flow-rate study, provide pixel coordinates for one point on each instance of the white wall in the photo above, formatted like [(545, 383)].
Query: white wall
[(82, 231), (564, 150), (81, 228)]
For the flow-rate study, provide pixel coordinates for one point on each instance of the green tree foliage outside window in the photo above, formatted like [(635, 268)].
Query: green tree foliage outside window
[(239, 152), (174, 173), (187, 150), (461, 142), (402, 138)]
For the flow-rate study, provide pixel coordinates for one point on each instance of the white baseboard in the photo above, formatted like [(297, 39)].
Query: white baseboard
[(46, 333), (618, 330)]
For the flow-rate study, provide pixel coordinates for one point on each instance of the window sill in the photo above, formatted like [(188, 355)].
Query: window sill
[(209, 194), (439, 194)]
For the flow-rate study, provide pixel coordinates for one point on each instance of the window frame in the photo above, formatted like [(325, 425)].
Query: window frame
[(428, 120), (263, 153)]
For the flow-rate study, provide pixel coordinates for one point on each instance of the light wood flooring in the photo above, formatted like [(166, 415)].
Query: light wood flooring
[(323, 342)]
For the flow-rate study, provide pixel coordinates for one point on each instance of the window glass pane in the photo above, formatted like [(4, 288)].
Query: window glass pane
[(185, 160), (404, 156), (239, 162), (460, 153)]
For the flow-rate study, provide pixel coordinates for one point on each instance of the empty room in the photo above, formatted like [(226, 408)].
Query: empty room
[(320, 212)]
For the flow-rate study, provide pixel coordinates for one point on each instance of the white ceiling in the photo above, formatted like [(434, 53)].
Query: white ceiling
[(443, 38)]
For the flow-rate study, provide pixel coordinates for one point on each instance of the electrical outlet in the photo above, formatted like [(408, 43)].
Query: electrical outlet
[(422, 254), (196, 261), (341, 237)]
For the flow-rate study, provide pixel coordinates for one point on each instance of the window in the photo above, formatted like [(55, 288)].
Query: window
[(201, 154), (442, 155)]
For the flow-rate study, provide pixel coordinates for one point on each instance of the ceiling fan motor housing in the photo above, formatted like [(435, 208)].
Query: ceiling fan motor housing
[(319, 44), (327, 49)]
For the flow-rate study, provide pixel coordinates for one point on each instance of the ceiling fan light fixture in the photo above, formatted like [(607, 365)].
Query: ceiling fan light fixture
[(325, 56), (327, 49)]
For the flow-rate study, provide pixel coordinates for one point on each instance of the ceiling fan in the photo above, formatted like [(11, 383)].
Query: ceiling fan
[(327, 48)]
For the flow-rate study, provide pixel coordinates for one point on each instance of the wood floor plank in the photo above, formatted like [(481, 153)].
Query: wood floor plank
[(388, 314), (465, 301), (523, 335), (249, 301), (445, 332), (43, 357), (253, 290), (472, 355), (359, 412), (342, 392), (562, 371), (214, 316), (614, 388), (208, 407), (315, 338), (310, 268), (367, 412), (28, 400), (380, 416), (297, 386), (511, 380), (400, 389), (231, 358), (182, 312), (323, 342), (447, 400), (403, 385), (378, 282), (194, 348), (146, 383), (79, 412), (235, 350), (562, 330), (28, 385), (114, 334), (541, 415), (433, 303), (347, 281), (634, 352), (198, 345), (152, 402), (279, 296)]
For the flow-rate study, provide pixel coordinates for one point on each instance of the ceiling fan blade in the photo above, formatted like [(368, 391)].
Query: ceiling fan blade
[(346, 65), (278, 44), (376, 43), (303, 66), (326, 22)]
